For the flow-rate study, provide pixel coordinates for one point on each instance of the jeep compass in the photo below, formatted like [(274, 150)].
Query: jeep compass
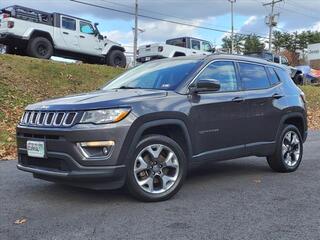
[(147, 127)]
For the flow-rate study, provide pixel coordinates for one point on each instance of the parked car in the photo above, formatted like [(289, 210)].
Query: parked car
[(177, 47), (42, 35), (296, 74), (145, 128)]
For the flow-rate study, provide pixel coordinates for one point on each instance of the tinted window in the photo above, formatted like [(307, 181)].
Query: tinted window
[(253, 76), (165, 75), (195, 44), (86, 28), (274, 80), (69, 23), (180, 42), (222, 71)]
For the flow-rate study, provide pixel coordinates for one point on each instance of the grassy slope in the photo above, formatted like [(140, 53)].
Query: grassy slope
[(25, 80), (313, 98)]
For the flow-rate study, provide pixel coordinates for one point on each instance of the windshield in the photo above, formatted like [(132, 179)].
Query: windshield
[(166, 75)]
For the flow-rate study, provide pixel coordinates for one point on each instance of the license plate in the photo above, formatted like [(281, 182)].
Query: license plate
[(36, 149), (148, 58)]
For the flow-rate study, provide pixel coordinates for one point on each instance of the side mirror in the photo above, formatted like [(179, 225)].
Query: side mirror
[(205, 85)]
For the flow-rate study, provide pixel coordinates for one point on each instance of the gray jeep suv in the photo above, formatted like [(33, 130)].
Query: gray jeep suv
[(144, 129)]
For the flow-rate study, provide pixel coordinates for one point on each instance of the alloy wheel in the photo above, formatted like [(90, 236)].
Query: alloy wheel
[(156, 168), (291, 148)]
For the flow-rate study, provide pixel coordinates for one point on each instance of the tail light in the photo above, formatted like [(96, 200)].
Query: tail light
[(303, 97), (160, 49), (10, 24)]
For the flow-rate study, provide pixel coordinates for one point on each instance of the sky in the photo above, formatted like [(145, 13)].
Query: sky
[(249, 17)]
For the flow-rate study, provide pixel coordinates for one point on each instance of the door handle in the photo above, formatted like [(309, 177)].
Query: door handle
[(82, 36), (65, 33), (277, 96), (238, 99)]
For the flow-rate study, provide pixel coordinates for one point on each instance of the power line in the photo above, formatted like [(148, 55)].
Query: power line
[(158, 19), (155, 12)]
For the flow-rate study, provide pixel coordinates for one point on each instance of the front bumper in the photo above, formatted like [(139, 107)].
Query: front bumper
[(65, 162)]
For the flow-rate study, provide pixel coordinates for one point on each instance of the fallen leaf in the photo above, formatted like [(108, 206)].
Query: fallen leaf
[(20, 221)]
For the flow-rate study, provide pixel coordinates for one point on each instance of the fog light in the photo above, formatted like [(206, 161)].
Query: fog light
[(96, 149), (97, 144)]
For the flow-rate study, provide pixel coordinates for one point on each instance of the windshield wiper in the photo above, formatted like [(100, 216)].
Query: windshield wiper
[(127, 87)]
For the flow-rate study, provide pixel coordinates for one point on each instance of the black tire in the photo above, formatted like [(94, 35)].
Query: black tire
[(298, 80), (132, 185), (116, 58), (40, 47), (277, 160)]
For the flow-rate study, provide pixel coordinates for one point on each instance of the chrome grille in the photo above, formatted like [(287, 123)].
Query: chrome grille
[(48, 119)]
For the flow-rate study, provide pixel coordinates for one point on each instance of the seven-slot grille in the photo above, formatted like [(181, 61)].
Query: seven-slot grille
[(48, 119)]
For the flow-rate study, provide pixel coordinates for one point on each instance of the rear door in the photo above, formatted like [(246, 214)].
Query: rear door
[(68, 34), (262, 99), (218, 118), (88, 41)]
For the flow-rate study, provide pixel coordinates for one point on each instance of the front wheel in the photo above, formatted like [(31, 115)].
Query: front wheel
[(157, 170), (288, 154), (116, 58)]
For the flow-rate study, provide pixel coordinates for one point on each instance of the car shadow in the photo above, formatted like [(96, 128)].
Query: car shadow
[(216, 171)]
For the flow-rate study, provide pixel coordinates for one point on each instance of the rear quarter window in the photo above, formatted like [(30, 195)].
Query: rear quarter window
[(274, 79), (253, 76)]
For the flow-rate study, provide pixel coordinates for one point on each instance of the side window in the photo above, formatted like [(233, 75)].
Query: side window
[(86, 28), (253, 76), (195, 44), (222, 71), (206, 46), (274, 80), (69, 23)]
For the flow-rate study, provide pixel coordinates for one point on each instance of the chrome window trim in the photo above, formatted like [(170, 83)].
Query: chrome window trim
[(235, 61)]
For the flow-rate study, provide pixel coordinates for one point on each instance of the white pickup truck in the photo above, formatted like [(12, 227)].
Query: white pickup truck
[(27, 31), (177, 47)]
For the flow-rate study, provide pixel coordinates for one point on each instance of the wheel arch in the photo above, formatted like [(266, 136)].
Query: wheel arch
[(115, 47), (178, 54), (167, 127), (40, 33), (297, 119)]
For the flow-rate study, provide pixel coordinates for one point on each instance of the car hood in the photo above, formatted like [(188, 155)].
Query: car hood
[(98, 100)]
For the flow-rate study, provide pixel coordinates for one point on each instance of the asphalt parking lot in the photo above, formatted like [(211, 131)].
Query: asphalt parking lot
[(238, 199)]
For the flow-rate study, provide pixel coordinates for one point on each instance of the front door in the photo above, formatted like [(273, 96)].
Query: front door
[(218, 118), (89, 42)]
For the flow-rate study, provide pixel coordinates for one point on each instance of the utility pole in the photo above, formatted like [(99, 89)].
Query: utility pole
[(271, 20), (232, 30), (135, 38)]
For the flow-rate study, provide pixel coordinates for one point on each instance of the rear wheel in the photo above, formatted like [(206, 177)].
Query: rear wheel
[(157, 170), (40, 47), (116, 58), (288, 154)]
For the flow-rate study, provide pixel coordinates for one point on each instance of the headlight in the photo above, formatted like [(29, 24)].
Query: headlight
[(105, 116)]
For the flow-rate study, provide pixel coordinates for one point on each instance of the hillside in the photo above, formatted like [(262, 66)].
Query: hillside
[(24, 80)]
